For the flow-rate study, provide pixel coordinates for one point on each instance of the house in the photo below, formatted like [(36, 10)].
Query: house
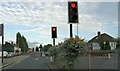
[(94, 43)]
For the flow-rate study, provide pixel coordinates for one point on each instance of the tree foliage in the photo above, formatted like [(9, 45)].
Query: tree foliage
[(105, 45), (118, 43), (53, 51), (46, 47), (8, 47), (102, 46), (18, 37), (70, 50)]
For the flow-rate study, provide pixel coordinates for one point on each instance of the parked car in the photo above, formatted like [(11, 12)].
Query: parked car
[(17, 53), (5, 54), (10, 54)]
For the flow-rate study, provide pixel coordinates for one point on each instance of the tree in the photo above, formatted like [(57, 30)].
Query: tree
[(24, 45), (46, 47), (118, 43), (40, 47), (37, 49), (18, 38), (107, 46), (21, 42), (102, 46), (53, 51), (8, 47), (32, 49)]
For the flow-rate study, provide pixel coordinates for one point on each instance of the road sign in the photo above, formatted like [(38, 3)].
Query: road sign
[(1, 29)]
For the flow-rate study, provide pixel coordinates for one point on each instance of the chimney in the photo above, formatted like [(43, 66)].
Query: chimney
[(98, 33)]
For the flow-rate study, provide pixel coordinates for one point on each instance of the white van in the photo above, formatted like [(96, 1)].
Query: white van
[(5, 53)]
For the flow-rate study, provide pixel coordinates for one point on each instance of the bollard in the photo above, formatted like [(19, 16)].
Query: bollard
[(108, 55), (51, 60)]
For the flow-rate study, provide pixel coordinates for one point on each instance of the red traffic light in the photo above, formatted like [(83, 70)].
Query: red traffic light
[(73, 5), (54, 32), (53, 29)]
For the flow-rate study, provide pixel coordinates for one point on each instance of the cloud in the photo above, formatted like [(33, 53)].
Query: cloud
[(41, 16), (32, 14), (58, 0), (33, 44), (89, 24)]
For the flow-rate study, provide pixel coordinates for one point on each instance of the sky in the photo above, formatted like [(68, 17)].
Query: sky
[(35, 19)]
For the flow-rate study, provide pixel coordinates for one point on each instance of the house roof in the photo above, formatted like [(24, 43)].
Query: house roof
[(102, 37)]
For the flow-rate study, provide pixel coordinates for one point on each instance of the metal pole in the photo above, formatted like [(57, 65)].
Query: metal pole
[(89, 65), (71, 31), (52, 57), (77, 29), (53, 41), (2, 41)]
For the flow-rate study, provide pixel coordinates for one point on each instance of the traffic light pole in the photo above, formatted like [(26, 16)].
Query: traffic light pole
[(71, 35), (53, 41), (77, 29)]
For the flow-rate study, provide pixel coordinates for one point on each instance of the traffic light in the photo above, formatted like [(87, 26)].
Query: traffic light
[(54, 32), (72, 12)]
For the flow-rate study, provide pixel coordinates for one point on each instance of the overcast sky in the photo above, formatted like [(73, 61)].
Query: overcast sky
[(35, 19)]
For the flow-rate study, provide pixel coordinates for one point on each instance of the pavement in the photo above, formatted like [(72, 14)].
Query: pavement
[(11, 61)]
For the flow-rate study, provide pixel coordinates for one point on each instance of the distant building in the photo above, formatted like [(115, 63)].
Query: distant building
[(94, 43)]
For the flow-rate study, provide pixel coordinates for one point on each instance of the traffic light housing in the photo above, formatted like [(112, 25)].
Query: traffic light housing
[(54, 32), (72, 12)]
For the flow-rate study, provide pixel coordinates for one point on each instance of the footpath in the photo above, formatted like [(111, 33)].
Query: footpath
[(11, 61)]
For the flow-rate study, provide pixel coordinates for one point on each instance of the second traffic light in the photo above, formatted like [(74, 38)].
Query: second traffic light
[(54, 32), (72, 12)]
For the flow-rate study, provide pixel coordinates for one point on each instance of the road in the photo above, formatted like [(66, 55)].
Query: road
[(34, 61)]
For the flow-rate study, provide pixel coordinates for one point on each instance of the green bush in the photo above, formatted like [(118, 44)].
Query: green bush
[(70, 50), (46, 47)]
